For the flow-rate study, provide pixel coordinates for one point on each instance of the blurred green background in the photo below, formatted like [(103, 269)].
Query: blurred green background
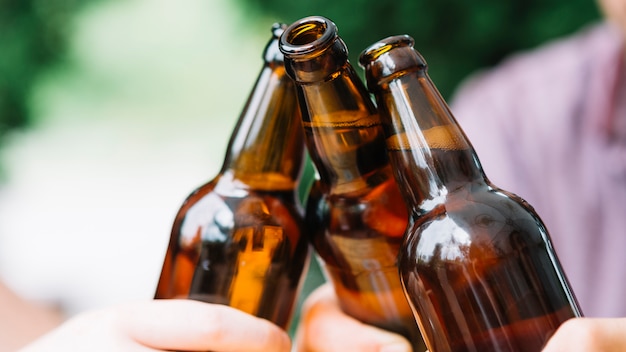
[(455, 36), (112, 111)]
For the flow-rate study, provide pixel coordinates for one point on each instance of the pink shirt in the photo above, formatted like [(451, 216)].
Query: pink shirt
[(547, 125)]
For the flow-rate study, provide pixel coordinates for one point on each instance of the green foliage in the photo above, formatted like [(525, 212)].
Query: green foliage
[(456, 37), (33, 36)]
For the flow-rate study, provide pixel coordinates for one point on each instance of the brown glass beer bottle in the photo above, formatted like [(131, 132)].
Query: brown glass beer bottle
[(355, 210), (477, 263), (237, 240)]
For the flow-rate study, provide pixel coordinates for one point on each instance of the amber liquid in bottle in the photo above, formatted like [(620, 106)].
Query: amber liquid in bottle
[(238, 240), (477, 264), (355, 209)]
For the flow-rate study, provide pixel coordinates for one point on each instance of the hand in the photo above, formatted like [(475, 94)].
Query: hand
[(324, 327), (164, 325), (589, 334), (22, 321)]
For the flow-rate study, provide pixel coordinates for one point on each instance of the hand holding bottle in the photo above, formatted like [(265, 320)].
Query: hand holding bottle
[(323, 322), (164, 325)]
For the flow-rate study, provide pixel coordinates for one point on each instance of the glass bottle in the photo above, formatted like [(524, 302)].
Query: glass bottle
[(477, 263), (238, 239), (355, 209)]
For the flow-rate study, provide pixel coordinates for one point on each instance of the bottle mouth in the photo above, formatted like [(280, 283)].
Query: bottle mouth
[(382, 66), (272, 53), (383, 46), (308, 35), (278, 29)]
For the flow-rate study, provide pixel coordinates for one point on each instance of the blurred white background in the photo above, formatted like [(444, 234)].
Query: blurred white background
[(139, 119)]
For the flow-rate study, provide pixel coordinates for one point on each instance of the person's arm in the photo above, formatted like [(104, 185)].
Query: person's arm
[(589, 334), (324, 327), (22, 321), (164, 325)]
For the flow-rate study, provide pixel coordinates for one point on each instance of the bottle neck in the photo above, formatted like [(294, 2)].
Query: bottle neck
[(342, 128), (266, 151), (430, 153), (343, 131)]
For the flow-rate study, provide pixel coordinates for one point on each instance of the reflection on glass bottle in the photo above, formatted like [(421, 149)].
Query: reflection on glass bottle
[(477, 263), (237, 240), (355, 208)]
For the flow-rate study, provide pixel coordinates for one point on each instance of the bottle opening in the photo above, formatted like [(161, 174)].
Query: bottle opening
[(390, 58), (272, 52), (307, 35), (278, 29), (377, 49)]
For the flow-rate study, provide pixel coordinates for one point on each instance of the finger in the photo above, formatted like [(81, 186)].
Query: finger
[(324, 327), (92, 331), (589, 334), (196, 326)]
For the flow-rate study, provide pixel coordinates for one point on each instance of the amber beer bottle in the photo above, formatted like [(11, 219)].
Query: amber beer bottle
[(237, 240), (355, 208), (477, 263)]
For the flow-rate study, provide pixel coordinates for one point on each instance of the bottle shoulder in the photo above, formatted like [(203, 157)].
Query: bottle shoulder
[(213, 217), (225, 200), (237, 184), (485, 223), (375, 187), (376, 210)]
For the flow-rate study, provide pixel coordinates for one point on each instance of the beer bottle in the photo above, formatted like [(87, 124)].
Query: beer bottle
[(476, 263), (355, 209), (237, 240)]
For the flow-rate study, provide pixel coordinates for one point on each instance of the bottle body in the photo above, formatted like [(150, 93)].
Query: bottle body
[(238, 239), (479, 270), (242, 248), (357, 236), (354, 209), (477, 263), (489, 283)]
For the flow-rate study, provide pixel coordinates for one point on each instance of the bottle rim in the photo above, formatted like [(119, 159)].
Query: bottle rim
[(383, 46), (278, 28), (308, 35), (272, 53)]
